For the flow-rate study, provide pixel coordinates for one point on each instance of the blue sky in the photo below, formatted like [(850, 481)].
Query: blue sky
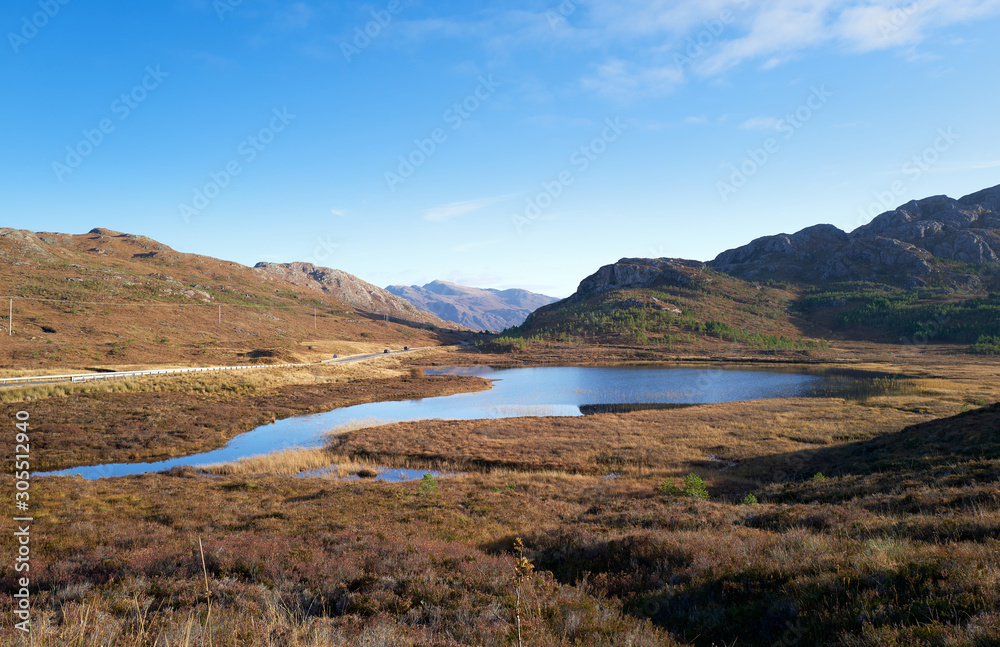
[(515, 144)]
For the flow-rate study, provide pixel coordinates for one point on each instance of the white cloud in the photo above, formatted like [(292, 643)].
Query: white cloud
[(760, 123), (458, 209), (771, 32), (779, 30), (648, 37), (557, 121), (972, 166), (622, 81)]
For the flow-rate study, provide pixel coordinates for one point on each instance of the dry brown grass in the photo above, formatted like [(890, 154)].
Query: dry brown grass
[(668, 442), (290, 462), (897, 547)]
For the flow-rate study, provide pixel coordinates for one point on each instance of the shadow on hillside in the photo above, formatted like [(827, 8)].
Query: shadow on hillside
[(920, 448), (443, 335)]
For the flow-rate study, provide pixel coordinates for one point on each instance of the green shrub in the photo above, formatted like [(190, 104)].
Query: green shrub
[(694, 486), (750, 500), (986, 345), (428, 485)]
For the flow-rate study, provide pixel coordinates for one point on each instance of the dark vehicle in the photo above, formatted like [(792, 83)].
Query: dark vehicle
[(386, 350), (406, 348)]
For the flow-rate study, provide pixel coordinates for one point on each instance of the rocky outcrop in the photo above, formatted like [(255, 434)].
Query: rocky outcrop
[(26, 244), (642, 273), (348, 288), (476, 308), (903, 246)]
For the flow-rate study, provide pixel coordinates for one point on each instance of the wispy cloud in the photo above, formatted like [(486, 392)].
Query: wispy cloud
[(649, 36), (468, 247), (972, 166), (296, 16), (760, 123), (464, 208), (624, 81)]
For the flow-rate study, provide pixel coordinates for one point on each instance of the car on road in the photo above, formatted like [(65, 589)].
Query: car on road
[(406, 348), (386, 350)]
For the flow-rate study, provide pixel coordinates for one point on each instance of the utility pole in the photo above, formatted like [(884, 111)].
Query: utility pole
[(10, 320)]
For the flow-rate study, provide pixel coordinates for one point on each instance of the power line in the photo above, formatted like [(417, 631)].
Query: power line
[(106, 304), (126, 304)]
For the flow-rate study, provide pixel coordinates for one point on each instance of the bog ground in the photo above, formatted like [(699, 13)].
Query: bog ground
[(866, 522)]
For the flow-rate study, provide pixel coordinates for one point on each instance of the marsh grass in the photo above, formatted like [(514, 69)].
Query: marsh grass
[(291, 462)]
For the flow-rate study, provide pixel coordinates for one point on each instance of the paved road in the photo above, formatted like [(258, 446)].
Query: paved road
[(357, 358), (94, 377)]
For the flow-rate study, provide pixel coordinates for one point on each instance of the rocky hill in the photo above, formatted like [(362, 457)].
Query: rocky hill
[(924, 243), (108, 299), (926, 272), (668, 304), (642, 273), (348, 288), (476, 308)]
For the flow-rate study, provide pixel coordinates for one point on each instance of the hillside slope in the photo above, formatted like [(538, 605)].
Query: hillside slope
[(669, 304), (109, 299), (476, 308)]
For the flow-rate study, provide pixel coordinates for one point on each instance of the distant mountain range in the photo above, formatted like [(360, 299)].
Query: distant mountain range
[(476, 308), (348, 288)]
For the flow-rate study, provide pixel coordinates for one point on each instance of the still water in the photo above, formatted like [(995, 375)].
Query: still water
[(543, 391)]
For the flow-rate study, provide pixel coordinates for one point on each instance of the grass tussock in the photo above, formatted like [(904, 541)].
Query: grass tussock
[(291, 462)]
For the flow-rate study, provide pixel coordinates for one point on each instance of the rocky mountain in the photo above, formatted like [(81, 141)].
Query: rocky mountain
[(929, 270), (476, 308), (667, 304), (922, 243), (350, 289)]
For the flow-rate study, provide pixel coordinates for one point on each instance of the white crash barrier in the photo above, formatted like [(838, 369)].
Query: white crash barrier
[(93, 377)]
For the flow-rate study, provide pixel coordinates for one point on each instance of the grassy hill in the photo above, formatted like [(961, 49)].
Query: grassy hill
[(110, 300), (710, 310), (691, 308)]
